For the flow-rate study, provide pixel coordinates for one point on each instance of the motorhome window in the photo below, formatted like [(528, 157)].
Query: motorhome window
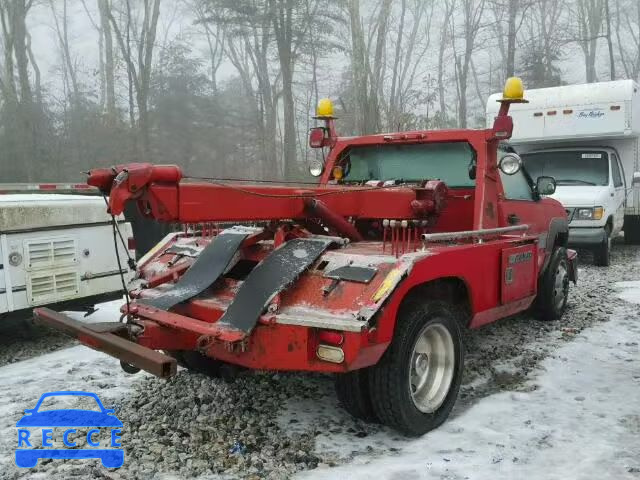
[(447, 161), (571, 168), (615, 171)]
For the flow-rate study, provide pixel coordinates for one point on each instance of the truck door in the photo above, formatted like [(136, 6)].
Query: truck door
[(617, 175), (520, 207)]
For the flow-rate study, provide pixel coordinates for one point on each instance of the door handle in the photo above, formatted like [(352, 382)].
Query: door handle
[(513, 219)]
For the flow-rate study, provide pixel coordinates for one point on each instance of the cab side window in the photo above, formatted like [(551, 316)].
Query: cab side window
[(615, 171), (516, 187)]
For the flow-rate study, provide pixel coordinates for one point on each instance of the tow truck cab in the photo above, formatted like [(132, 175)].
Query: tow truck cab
[(372, 274)]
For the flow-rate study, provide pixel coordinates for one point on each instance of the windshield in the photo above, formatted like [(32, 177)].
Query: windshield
[(569, 167), (448, 162)]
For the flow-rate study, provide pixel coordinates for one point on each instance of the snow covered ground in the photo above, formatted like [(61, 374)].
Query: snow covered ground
[(580, 421)]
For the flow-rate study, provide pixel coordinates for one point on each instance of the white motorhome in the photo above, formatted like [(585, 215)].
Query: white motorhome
[(58, 249), (586, 137)]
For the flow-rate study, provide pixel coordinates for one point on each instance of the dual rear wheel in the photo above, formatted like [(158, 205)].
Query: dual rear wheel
[(415, 384)]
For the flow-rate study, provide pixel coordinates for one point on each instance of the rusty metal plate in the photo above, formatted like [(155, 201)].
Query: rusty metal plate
[(210, 264), (268, 278)]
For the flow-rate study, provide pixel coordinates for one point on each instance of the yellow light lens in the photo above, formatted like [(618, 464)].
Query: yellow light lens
[(338, 173), (598, 213), (390, 281), (325, 108), (513, 89)]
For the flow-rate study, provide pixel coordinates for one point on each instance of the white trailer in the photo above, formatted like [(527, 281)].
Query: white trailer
[(588, 138), (58, 249)]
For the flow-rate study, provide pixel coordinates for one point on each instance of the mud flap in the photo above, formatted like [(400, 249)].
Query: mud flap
[(210, 264), (265, 281)]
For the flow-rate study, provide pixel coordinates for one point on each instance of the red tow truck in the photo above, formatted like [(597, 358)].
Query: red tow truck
[(370, 274)]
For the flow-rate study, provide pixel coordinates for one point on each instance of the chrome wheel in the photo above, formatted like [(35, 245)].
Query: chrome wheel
[(560, 286), (432, 367)]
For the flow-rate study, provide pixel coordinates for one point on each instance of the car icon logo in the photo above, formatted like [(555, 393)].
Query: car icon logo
[(69, 420)]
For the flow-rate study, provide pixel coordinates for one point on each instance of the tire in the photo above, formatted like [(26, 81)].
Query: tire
[(197, 362), (352, 390), (553, 287), (632, 229), (395, 401), (602, 253)]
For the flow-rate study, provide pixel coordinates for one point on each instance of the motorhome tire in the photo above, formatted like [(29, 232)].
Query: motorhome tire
[(602, 253), (632, 229)]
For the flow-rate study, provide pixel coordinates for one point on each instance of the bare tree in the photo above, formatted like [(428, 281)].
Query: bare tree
[(590, 16), (449, 6), (412, 42), (282, 13), (509, 18), (62, 31), (544, 38), (21, 122), (215, 36), (612, 63), (367, 71), (140, 71), (248, 45), (472, 13), (627, 30)]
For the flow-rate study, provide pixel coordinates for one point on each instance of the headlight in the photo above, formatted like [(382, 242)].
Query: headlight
[(594, 213)]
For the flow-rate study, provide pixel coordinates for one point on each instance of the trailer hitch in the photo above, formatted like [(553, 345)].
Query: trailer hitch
[(104, 339)]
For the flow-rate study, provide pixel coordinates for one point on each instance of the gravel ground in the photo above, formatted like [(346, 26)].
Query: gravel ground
[(188, 426), (20, 340)]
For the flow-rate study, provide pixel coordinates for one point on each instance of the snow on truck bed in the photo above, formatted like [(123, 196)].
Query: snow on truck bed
[(20, 212)]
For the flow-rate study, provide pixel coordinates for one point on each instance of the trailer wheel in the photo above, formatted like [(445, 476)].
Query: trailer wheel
[(352, 390), (553, 288), (602, 253), (415, 384), (632, 229)]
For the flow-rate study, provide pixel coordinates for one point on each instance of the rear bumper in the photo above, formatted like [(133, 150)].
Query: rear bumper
[(270, 346), (586, 236)]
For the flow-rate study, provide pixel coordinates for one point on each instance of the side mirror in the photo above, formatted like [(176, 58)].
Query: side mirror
[(510, 163), (546, 185), (635, 179), (316, 168)]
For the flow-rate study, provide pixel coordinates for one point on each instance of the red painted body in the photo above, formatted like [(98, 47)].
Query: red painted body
[(493, 278)]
